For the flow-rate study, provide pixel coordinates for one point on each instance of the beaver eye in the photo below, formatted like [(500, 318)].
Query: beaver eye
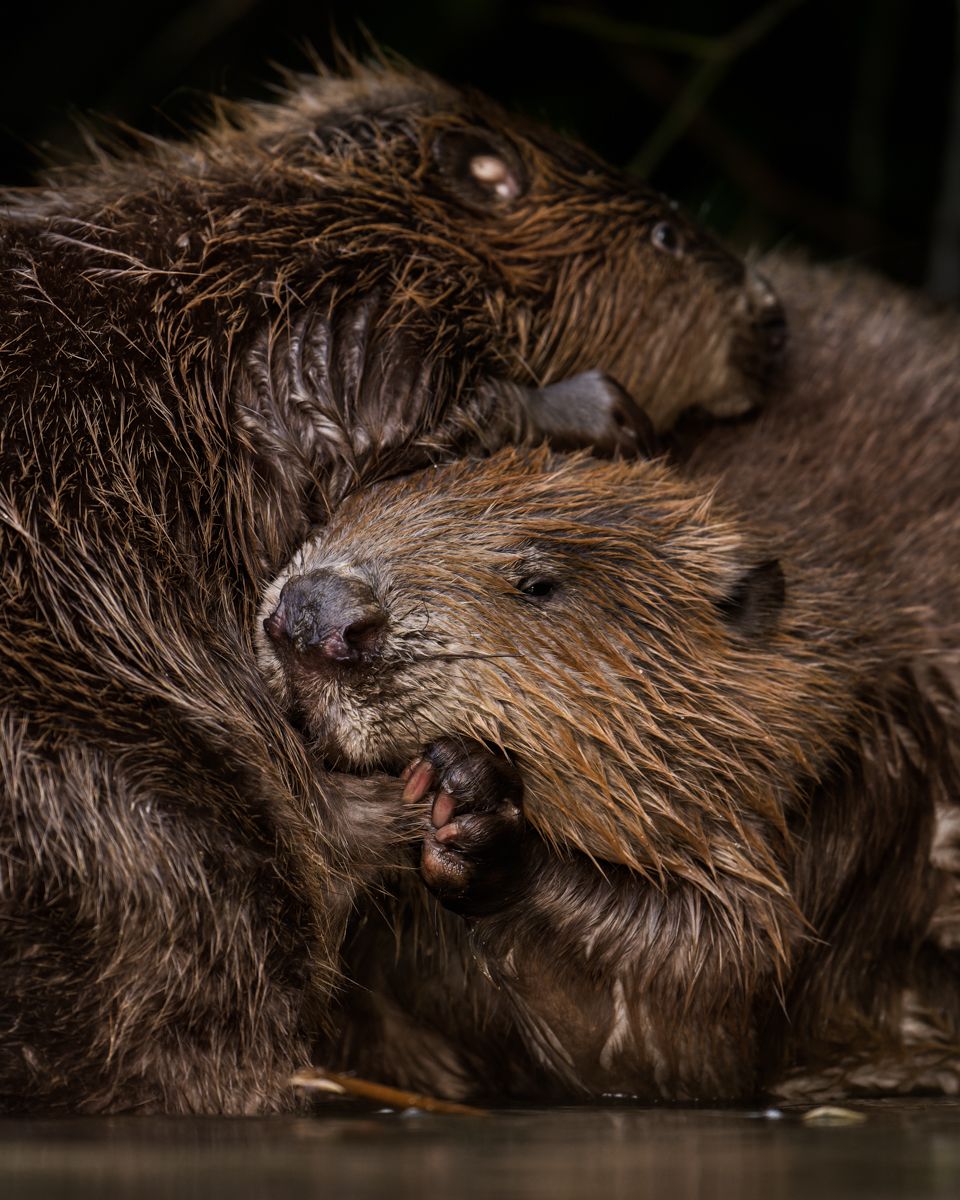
[(537, 586), (481, 171), (665, 237)]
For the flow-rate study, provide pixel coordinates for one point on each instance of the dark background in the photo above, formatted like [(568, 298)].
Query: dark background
[(827, 123)]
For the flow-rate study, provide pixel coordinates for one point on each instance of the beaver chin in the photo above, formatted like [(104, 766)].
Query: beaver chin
[(346, 747), (339, 753)]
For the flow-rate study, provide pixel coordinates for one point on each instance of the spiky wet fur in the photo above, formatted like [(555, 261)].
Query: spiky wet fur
[(744, 877), (202, 345)]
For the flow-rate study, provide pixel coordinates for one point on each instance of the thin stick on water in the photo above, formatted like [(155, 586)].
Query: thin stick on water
[(315, 1079)]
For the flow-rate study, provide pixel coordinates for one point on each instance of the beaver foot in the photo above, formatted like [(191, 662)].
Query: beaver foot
[(591, 410), (471, 853)]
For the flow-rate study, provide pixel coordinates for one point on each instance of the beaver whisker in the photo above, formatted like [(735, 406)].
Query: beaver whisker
[(453, 656)]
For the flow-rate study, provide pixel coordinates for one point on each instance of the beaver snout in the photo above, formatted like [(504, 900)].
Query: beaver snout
[(758, 350), (326, 618), (766, 314)]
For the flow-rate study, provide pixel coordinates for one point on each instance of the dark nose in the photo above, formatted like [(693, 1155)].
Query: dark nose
[(766, 313), (327, 618)]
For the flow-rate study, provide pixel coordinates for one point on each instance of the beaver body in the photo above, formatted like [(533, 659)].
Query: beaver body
[(742, 874), (201, 346)]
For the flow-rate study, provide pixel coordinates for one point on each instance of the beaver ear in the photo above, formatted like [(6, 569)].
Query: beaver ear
[(752, 606), (484, 172), (591, 410)]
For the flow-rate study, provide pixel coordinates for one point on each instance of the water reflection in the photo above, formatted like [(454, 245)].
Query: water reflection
[(903, 1149)]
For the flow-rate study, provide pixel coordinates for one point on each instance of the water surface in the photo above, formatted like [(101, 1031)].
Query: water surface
[(902, 1149)]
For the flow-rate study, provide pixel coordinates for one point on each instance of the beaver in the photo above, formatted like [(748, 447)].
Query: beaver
[(202, 345), (721, 856)]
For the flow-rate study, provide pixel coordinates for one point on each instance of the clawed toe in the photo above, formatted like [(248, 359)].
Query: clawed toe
[(476, 821)]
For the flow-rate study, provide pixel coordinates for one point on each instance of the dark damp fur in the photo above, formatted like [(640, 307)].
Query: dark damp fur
[(203, 345), (801, 935)]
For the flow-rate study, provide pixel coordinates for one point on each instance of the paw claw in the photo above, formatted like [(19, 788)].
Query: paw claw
[(418, 782), (470, 852), (447, 833), (443, 808)]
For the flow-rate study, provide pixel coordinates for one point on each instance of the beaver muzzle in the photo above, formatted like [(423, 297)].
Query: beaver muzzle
[(761, 355), (326, 620)]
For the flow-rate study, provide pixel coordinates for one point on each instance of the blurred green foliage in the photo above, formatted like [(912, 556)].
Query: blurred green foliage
[(813, 122)]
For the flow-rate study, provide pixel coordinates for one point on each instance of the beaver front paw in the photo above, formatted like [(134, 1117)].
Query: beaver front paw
[(591, 410), (471, 852)]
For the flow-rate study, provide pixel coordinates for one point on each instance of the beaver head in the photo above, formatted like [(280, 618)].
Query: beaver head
[(440, 236), (608, 625), (491, 215), (336, 275)]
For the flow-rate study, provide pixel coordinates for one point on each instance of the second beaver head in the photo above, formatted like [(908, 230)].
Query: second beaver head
[(492, 245), (579, 266), (607, 624)]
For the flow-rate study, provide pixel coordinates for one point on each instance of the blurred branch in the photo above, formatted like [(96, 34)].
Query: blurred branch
[(873, 83), (943, 265), (750, 171), (170, 49), (724, 47), (715, 56)]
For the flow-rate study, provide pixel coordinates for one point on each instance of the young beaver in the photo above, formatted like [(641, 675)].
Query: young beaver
[(202, 344), (737, 798)]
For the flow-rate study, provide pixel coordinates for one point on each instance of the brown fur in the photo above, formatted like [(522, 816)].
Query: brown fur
[(744, 874), (201, 346)]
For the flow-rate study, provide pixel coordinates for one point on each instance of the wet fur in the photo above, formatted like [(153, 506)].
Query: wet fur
[(743, 876), (202, 346)]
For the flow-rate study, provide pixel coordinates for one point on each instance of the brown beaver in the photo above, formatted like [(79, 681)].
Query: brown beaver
[(201, 345), (739, 870)]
